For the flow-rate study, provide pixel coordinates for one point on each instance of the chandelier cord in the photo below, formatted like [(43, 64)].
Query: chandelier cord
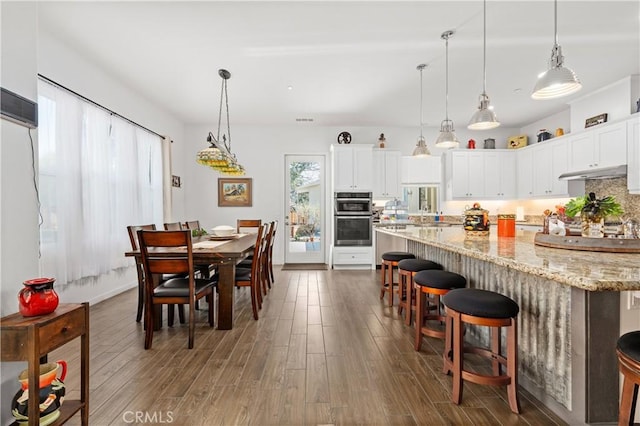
[(446, 98), (484, 56), (226, 100), (220, 110), (421, 125)]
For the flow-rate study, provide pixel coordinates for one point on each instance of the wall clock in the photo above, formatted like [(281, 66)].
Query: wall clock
[(344, 137)]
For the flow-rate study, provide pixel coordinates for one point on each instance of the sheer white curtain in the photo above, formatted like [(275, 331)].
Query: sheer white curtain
[(98, 173)]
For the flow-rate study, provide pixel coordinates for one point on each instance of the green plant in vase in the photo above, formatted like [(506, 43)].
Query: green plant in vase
[(592, 212)]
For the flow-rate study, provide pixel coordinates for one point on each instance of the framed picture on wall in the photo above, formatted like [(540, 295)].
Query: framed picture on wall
[(234, 192)]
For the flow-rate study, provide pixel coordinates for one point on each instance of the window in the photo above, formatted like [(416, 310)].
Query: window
[(98, 173)]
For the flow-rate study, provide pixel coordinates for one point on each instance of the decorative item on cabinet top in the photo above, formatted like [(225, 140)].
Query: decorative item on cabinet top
[(381, 140), (344, 137), (515, 142), (594, 121)]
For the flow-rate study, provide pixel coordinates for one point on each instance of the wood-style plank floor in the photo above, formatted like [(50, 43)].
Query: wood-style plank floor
[(325, 351)]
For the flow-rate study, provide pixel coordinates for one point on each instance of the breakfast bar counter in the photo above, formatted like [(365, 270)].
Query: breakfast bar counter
[(569, 319)]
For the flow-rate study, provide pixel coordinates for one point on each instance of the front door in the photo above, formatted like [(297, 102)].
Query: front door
[(305, 233)]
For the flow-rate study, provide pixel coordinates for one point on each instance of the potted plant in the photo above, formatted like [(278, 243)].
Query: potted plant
[(593, 212)]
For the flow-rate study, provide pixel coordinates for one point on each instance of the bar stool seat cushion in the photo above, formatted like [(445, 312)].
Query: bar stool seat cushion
[(395, 256), (443, 280), (415, 265), (629, 344), (481, 303)]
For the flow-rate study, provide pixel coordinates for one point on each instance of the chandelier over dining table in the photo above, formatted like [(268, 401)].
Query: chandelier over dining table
[(218, 155)]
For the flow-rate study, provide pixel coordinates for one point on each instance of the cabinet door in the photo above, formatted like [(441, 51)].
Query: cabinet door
[(508, 178), (492, 175), (459, 175), (611, 145), (476, 172), (633, 155), (420, 170), (392, 174), (362, 168), (542, 171), (343, 169), (524, 158), (559, 165), (581, 148)]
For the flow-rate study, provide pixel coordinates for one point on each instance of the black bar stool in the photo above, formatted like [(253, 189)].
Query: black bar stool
[(482, 308), (390, 260), (407, 269), (628, 351), (430, 285)]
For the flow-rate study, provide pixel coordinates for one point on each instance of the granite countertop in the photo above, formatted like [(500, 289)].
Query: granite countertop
[(591, 271)]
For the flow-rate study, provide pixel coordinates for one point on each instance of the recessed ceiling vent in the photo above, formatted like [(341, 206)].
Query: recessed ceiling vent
[(18, 109), (304, 120)]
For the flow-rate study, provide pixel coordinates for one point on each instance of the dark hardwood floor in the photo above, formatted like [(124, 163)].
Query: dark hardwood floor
[(325, 351)]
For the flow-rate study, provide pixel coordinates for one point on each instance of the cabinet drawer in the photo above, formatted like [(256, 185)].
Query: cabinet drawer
[(65, 328), (352, 257)]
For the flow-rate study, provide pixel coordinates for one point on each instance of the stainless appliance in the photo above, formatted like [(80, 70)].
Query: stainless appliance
[(353, 219), (353, 203)]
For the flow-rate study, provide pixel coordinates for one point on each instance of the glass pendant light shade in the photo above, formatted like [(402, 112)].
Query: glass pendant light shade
[(558, 80), (421, 149), (218, 155), (447, 137), (484, 118)]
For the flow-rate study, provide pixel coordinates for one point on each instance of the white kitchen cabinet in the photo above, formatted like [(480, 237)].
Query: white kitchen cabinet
[(421, 170), (499, 174), (524, 175), (386, 174), (352, 167), (599, 147), (353, 258), (465, 174), (539, 167), (633, 155)]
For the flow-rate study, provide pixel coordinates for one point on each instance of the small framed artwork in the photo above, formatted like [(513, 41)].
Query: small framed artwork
[(594, 121), (175, 181), (234, 192)]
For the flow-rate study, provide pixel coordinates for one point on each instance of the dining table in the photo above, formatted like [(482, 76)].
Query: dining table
[(224, 254)]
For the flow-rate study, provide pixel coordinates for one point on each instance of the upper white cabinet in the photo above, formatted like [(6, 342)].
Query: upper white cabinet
[(386, 174), (499, 174), (464, 174), (421, 170), (352, 167), (633, 155), (599, 147)]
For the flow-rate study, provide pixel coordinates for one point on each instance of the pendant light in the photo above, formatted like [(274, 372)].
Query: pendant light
[(484, 118), (421, 149), (447, 137), (218, 155), (557, 81)]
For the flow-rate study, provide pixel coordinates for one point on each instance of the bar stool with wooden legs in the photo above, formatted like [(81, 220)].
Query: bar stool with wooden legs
[(390, 261), (481, 308), (407, 268), (628, 351), (430, 286)]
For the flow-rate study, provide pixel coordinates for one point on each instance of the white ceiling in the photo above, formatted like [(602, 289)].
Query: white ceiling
[(348, 63)]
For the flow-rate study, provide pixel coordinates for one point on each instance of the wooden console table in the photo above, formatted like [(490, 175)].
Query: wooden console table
[(28, 339)]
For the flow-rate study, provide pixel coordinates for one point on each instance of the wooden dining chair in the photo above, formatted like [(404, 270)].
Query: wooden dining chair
[(250, 277), (192, 224), (274, 228), (183, 290), (173, 226), (248, 225), (133, 237), (266, 277)]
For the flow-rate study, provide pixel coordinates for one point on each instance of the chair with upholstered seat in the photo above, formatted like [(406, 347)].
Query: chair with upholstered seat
[(251, 277), (390, 261), (133, 237), (173, 226), (185, 289), (248, 225), (407, 269), (628, 351)]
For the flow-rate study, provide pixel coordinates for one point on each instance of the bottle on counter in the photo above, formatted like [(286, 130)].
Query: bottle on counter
[(437, 219)]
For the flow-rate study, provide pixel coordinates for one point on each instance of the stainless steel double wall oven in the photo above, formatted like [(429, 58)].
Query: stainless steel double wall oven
[(353, 219)]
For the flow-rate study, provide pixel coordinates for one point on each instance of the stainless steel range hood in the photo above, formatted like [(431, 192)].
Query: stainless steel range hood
[(602, 173)]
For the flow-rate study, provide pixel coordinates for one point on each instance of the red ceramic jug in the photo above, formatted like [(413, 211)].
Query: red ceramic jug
[(38, 297)]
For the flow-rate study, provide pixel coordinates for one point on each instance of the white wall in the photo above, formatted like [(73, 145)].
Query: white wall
[(18, 205)]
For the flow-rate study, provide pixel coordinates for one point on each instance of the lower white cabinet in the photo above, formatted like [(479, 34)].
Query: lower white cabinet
[(353, 257)]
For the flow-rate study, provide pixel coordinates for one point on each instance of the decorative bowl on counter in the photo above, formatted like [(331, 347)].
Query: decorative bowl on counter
[(223, 230)]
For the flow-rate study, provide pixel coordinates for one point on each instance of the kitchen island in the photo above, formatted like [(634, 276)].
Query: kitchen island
[(569, 319)]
